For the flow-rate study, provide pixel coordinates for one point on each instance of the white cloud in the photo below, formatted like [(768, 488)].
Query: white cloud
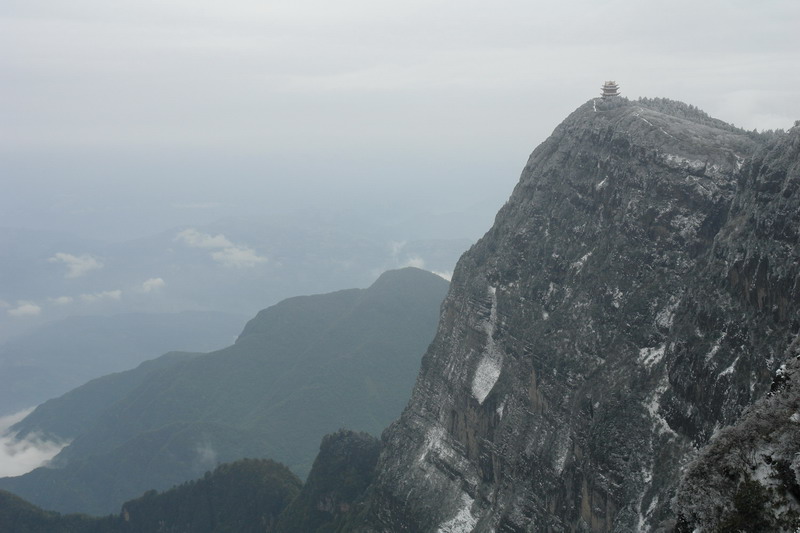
[(18, 457), (444, 275), (77, 265), (238, 257), (195, 239), (226, 253), (153, 284), (414, 261), (62, 300), (396, 247), (4, 303), (104, 295), (25, 309), (206, 456)]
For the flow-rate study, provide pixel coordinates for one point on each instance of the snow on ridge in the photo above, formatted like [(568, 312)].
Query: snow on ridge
[(463, 521), (662, 130), (488, 370)]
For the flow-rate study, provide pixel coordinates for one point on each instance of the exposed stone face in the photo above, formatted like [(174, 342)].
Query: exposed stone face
[(748, 478), (341, 473), (635, 293)]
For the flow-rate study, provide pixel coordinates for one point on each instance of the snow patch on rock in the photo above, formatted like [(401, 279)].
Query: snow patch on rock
[(730, 369), (578, 265), (616, 297), (562, 452), (463, 521), (651, 356), (433, 443), (653, 404), (491, 364), (683, 163), (666, 316), (715, 348), (687, 226)]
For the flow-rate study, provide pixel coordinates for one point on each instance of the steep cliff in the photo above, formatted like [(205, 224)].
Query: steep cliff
[(637, 291), (342, 471), (748, 478)]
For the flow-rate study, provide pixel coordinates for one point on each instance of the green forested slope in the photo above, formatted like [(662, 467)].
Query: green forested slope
[(246, 496), (301, 369)]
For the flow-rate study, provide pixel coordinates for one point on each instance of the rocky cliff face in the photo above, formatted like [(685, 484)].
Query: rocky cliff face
[(748, 478), (637, 291), (342, 471)]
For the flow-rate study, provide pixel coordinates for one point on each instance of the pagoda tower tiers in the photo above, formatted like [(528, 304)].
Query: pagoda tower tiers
[(610, 88)]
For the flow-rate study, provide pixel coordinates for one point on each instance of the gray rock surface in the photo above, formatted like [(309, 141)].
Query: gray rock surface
[(748, 477), (635, 294)]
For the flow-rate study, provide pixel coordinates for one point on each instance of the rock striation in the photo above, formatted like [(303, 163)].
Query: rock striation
[(638, 290)]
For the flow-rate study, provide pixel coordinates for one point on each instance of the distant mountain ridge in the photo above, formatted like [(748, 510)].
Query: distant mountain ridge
[(237, 265), (59, 356), (299, 370)]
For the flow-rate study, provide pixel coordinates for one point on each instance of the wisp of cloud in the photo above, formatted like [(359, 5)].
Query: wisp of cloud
[(20, 456)]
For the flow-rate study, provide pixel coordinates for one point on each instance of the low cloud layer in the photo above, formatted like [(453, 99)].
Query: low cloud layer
[(77, 265), (18, 457), (224, 251)]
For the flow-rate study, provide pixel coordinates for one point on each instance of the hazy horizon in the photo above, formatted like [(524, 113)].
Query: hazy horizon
[(122, 122), (264, 126)]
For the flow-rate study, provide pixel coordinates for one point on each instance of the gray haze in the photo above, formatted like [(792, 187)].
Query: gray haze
[(359, 134), (121, 119)]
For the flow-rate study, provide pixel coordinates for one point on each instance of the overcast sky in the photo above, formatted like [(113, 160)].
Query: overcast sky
[(198, 109)]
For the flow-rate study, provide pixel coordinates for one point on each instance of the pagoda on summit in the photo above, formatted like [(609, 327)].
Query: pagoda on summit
[(610, 88)]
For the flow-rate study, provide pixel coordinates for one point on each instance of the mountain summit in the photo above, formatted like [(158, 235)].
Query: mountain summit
[(635, 293)]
